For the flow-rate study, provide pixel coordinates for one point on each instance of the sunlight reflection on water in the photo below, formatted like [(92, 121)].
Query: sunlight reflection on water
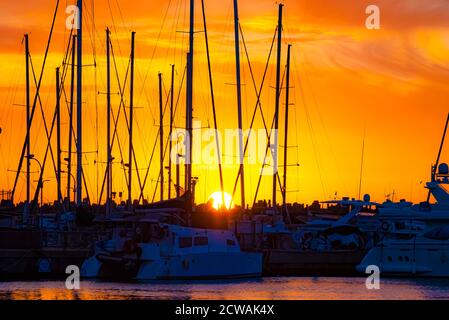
[(261, 289)]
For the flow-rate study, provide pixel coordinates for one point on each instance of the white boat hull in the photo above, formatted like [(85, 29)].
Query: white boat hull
[(199, 266), (406, 258), (191, 266)]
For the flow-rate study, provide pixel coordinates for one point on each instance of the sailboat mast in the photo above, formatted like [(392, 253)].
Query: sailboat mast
[(28, 110), (79, 106), (108, 133), (189, 107), (239, 102), (131, 124), (276, 115), (287, 102), (72, 94), (172, 96), (161, 138), (58, 136)]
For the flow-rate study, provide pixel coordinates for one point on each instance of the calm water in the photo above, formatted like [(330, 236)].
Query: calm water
[(267, 288)]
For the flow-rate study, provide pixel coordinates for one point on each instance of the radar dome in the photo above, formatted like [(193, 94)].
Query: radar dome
[(443, 169)]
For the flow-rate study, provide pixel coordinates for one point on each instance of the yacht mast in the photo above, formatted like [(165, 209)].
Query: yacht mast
[(161, 138), (108, 133), (189, 108), (72, 94), (172, 95), (79, 106), (287, 102), (58, 136), (131, 120), (239, 102), (28, 110), (276, 115)]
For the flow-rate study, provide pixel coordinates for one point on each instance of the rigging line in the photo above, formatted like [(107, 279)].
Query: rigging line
[(437, 163), (122, 103), (39, 186), (121, 14), (35, 98), (94, 53), (114, 26), (154, 50), (263, 168), (156, 142), (266, 153), (11, 97), (297, 126), (217, 140), (43, 116), (91, 32), (295, 66), (43, 113), (312, 137), (315, 100), (164, 153), (116, 119), (309, 124), (258, 106), (178, 17), (167, 144), (49, 146)]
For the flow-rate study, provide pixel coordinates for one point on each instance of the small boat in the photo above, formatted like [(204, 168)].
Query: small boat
[(161, 251)]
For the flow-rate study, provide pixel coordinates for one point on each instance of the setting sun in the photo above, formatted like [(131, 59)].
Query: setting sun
[(218, 200)]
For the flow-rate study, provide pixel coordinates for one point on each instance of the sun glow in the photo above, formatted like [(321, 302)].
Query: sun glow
[(217, 199)]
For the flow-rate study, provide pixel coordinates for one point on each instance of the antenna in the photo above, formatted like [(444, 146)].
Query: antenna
[(361, 165), (439, 154)]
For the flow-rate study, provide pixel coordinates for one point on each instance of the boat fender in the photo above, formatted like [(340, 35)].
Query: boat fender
[(185, 264)]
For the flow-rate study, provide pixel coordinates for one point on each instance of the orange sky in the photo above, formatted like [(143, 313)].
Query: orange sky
[(391, 83)]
